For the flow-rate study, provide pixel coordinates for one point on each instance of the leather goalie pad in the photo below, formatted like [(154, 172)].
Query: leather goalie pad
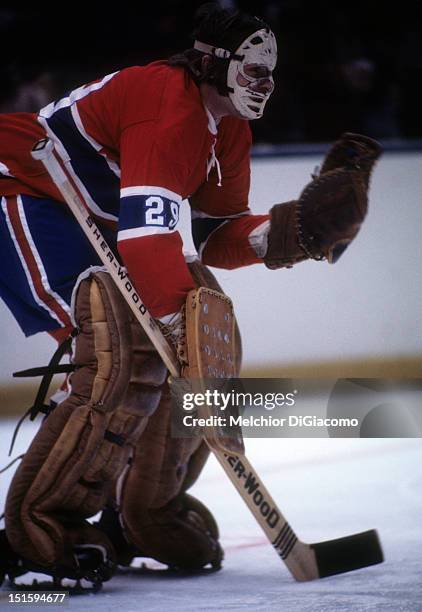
[(142, 517), (142, 513), (69, 470)]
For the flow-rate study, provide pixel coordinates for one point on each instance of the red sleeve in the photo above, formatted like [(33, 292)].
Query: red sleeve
[(152, 184), (157, 267), (230, 246), (157, 157)]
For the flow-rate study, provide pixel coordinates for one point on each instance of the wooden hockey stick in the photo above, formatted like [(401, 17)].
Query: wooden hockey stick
[(304, 561)]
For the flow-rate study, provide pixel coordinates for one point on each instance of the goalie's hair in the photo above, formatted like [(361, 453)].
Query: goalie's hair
[(224, 28)]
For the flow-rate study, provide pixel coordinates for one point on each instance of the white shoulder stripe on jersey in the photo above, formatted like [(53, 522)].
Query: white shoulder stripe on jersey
[(61, 151), (96, 145), (139, 232), (74, 96), (78, 122), (149, 190)]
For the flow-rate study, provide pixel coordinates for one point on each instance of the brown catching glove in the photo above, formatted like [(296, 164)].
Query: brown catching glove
[(329, 212)]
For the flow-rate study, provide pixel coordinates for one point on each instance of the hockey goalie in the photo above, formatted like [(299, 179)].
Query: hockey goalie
[(136, 144)]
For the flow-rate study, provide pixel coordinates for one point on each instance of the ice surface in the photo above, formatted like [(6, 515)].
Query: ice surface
[(326, 489)]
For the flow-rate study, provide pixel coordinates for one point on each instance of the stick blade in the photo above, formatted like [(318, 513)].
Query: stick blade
[(348, 554)]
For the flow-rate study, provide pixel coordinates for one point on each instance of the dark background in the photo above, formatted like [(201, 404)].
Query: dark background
[(353, 66)]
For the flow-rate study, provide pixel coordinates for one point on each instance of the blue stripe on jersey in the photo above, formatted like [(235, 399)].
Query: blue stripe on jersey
[(90, 166), (154, 212)]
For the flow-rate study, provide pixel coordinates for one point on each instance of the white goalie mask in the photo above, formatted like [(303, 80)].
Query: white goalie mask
[(249, 76)]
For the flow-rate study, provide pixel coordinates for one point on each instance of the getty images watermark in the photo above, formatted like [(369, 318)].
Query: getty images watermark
[(214, 408), (327, 408), (279, 407)]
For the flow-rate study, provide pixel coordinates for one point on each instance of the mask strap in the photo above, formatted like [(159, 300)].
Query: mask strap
[(218, 52)]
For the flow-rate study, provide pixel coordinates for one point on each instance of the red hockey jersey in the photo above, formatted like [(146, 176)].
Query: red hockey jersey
[(137, 143)]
